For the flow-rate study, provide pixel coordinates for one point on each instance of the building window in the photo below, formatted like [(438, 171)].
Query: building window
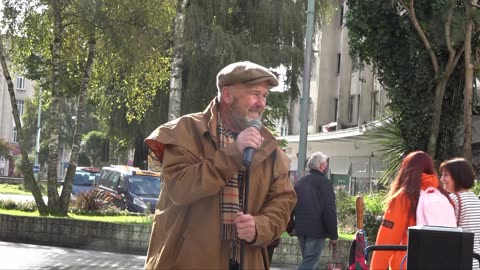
[(339, 60), (284, 130), (336, 109), (358, 108), (282, 127), (20, 107), (375, 109), (20, 83), (341, 16), (14, 135), (351, 101)]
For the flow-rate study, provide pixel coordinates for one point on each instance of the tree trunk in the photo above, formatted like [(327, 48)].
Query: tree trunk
[(467, 94), (54, 144), (79, 126), (442, 74), (141, 152), (27, 164), (175, 102), (437, 111)]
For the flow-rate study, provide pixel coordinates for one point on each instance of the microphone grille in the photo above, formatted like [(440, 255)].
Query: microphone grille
[(255, 123)]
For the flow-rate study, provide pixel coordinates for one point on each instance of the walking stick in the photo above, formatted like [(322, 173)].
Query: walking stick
[(245, 209), (247, 161), (360, 208), (358, 251)]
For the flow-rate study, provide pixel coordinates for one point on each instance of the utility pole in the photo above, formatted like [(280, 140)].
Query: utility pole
[(304, 100), (37, 145)]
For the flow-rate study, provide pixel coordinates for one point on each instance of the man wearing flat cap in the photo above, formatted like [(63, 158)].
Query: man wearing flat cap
[(199, 221)]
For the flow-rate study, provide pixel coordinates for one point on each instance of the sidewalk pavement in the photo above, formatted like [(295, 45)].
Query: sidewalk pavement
[(28, 256)]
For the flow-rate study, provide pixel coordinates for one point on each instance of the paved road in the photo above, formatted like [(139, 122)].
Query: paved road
[(27, 256)]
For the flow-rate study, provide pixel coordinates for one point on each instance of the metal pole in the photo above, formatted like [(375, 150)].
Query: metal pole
[(37, 145), (245, 211), (304, 100)]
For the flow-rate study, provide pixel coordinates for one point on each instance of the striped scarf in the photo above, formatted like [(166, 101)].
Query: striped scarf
[(230, 199)]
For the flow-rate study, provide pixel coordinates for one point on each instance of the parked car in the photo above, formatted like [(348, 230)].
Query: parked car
[(130, 188), (84, 179)]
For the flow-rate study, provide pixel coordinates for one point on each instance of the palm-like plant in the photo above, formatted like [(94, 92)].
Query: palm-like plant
[(392, 145)]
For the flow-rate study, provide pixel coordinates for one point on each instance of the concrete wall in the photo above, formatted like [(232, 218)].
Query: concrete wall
[(288, 253), (125, 238), (11, 180), (75, 233)]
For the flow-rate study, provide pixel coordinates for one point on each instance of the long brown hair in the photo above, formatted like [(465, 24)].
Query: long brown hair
[(409, 178)]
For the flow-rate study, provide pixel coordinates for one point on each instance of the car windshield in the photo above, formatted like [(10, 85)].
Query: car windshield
[(83, 178), (144, 185)]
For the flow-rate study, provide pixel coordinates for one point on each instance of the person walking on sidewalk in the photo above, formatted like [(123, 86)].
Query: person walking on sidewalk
[(315, 214)]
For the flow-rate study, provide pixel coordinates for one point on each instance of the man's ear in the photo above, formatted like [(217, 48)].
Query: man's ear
[(322, 166), (227, 95)]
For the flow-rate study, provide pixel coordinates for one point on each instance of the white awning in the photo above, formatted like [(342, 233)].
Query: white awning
[(377, 167), (360, 167), (339, 165)]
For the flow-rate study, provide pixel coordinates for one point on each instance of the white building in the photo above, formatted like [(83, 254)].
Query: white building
[(344, 102), (24, 90)]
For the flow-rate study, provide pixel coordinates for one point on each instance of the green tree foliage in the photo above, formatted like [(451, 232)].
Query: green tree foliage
[(84, 160), (29, 180), (382, 34), (388, 136), (5, 149), (217, 33), (130, 81), (55, 42), (93, 143)]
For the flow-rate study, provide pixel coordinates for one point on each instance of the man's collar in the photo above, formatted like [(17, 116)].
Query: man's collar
[(316, 171)]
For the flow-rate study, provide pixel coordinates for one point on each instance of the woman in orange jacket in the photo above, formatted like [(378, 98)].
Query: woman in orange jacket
[(417, 172)]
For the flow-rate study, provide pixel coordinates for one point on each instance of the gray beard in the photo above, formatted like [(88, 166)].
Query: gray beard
[(240, 121)]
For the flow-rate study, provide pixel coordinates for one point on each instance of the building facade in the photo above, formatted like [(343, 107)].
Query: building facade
[(24, 90), (345, 101)]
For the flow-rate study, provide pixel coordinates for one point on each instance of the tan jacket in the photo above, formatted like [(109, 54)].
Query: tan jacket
[(186, 229)]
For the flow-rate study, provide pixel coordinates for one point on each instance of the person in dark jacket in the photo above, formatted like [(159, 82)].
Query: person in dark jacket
[(315, 213)]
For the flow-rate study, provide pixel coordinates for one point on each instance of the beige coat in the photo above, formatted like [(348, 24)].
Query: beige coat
[(186, 229)]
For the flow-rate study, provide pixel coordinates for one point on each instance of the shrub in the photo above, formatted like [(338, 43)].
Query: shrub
[(476, 187), (373, 212), (22, 206), (8, 204), (345, 212), (90, 202)]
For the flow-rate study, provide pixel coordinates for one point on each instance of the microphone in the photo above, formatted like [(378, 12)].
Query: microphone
[(248, 154)]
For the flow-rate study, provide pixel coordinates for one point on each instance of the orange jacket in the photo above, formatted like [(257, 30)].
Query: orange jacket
[(394, 229)]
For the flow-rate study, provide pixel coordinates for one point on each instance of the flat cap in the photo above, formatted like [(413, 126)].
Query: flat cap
[(245, 72)]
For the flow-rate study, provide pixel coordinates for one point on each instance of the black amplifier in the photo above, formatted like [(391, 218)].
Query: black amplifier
[(433, 247)]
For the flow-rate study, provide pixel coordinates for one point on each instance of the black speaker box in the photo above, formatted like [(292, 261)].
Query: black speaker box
[(433, 247)]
